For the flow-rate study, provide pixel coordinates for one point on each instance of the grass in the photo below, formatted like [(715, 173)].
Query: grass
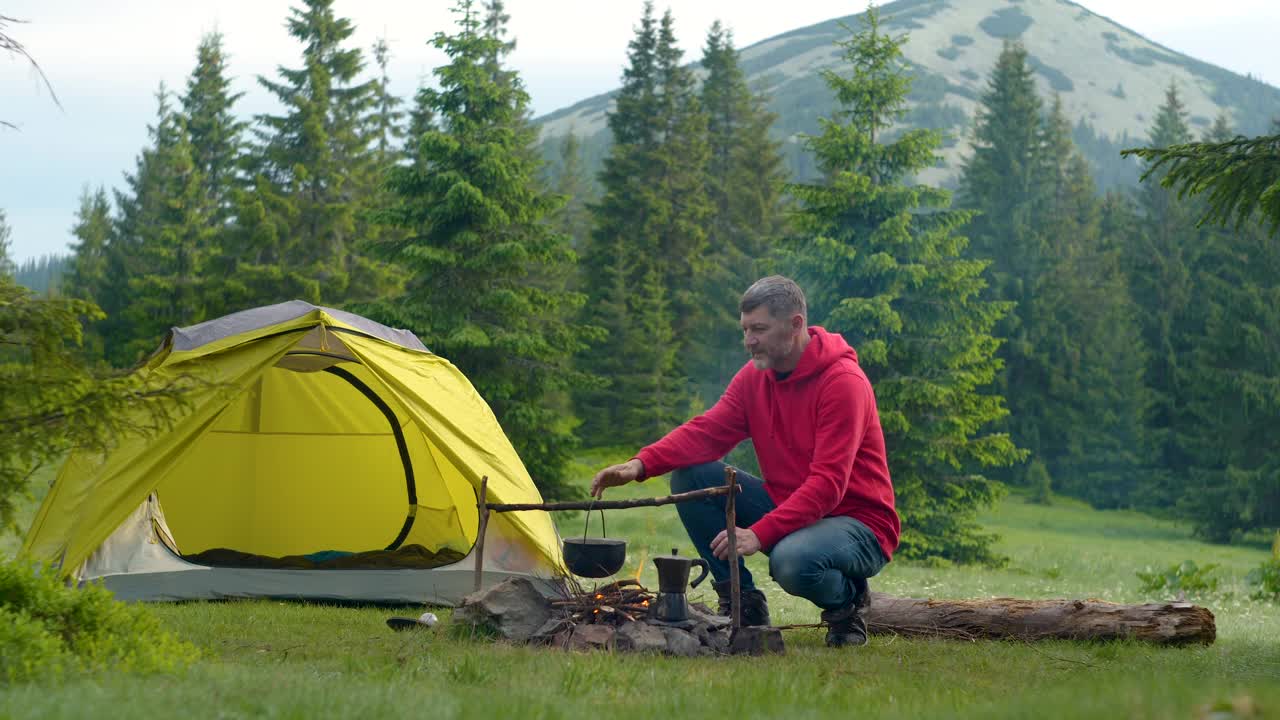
[(276, 659)]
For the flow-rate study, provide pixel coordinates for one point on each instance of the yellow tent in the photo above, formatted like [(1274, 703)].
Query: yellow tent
[(320, 454)]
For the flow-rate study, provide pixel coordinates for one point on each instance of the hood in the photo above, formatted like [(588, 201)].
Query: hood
[(824, 350)]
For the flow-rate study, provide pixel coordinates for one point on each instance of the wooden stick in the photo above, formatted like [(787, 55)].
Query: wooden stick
[(482, 505), (731, 528), (613, 504)]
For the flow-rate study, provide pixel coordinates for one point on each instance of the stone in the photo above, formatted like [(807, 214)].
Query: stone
[(592, 637), (756, 640), (704, 615), (550, 629), (715, 639), (641, 637), (681, 643), (513, 607)]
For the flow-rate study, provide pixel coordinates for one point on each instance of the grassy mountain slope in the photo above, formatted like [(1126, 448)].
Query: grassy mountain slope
[(1110, 78)]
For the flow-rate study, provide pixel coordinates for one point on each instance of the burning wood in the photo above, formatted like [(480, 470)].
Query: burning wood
[(615, 603)]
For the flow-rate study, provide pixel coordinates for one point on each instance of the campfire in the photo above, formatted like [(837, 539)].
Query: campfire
[(614, 604), (616, 616)]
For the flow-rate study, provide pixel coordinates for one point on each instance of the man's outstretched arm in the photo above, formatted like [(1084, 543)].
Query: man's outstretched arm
[(709, 436)]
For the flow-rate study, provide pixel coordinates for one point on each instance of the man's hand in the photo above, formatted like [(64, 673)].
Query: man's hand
[(748, 543), (616, 475)]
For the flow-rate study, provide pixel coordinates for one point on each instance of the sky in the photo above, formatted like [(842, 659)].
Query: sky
[(105, 61)]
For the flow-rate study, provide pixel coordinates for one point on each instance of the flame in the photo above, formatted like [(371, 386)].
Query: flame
[(644, 555), (645, 603), (596, 611), (599, 596)]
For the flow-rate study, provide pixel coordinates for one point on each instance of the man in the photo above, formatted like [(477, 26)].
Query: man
[(824, 513)]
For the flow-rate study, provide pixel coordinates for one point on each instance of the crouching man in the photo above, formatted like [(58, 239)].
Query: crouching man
[(824, 512)]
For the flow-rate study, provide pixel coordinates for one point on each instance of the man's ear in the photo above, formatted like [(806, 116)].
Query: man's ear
[(797, 322)]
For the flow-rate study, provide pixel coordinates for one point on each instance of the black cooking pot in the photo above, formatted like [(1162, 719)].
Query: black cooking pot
[(594, 557)]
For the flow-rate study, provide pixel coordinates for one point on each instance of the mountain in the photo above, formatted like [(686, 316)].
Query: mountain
[(1110, 78)]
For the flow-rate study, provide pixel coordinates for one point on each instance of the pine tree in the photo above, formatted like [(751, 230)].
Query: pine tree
[(487, 269), (680, 218), (652, 216), (386, 120), (571, 183), (1226, 380), (745, 178), (883, 265), (317, 169), (1085, 338), (216, 135), (1007, 182), (1161, 262), (7, 266), (87, 276), (610, 265), (171, 238)]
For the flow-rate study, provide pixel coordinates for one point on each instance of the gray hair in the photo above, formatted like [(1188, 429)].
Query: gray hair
[(781, 295)]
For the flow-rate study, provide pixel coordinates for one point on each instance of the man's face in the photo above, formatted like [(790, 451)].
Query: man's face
[(768, 339)]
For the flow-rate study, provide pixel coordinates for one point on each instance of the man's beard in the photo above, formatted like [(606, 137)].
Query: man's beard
[(762, 361)]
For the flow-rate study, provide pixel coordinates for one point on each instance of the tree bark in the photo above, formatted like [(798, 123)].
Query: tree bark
[(1170, 623)]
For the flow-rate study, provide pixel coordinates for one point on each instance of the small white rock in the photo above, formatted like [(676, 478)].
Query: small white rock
[(429, 619)]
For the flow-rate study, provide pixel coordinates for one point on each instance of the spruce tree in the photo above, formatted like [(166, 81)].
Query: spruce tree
[(745, 178), (1161, 262), (1006, 181), (1085, 339), (487, 270), (883, 266), (1226, 378), (678, 221), (87, 274), (316, 167), (7, 266), (171, 238), (650, 226), (216, 135), (610, 269), (386, 121), (571, 183)]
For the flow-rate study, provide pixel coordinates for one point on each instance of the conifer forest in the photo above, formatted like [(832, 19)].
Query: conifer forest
[(1023, 328)]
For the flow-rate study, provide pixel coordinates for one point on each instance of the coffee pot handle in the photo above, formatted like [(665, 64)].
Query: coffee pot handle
[(705, 570)]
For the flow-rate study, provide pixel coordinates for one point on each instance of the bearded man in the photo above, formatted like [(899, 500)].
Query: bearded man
[(824, 512)]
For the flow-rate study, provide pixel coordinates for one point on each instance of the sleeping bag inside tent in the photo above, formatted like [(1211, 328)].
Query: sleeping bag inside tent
[(317, 454)]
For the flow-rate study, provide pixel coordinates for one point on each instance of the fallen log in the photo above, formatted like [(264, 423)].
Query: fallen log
[(1170, 623)]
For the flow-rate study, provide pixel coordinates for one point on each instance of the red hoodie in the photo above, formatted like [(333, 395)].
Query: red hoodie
[(817, 435)]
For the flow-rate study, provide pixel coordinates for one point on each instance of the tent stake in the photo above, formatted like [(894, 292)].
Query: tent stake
[(482, 504)]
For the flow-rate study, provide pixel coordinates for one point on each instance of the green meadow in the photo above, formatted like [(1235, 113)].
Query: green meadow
[(278, 659)]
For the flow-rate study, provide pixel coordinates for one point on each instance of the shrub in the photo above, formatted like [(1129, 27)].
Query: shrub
[(1265, 579), (49, 629), (1040, 483), (1187, 577)]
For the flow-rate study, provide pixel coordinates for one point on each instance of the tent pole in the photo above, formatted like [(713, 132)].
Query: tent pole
[(482, 505)]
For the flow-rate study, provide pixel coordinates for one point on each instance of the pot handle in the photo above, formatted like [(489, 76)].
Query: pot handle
[(705, 570), (603, 531)]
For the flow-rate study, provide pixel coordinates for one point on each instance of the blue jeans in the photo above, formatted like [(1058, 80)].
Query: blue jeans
[(827, 563)]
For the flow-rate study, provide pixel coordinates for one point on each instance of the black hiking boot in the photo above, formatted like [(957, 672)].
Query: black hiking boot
[(755, 607), (845, 626)]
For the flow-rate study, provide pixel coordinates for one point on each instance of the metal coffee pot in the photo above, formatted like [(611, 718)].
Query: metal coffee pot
[(672, 606)]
